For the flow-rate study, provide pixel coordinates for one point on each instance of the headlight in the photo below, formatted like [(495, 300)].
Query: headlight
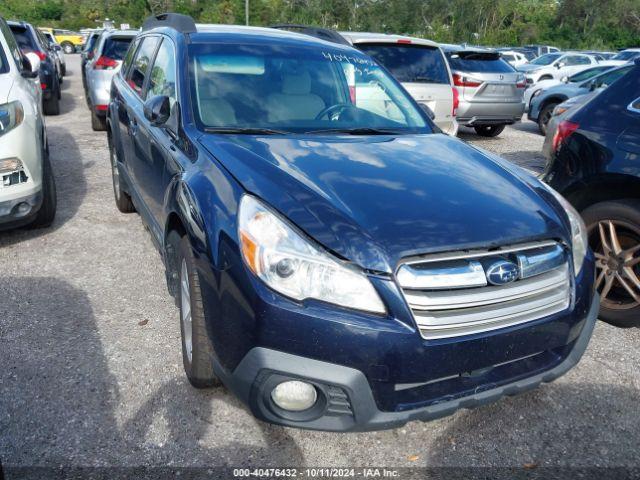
[(579, 240), (291, 264), (11, 115)]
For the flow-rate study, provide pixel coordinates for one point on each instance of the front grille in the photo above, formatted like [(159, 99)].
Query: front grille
[(452, 295)]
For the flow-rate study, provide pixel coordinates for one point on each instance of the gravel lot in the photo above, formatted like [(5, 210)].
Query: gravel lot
[(91, 371)]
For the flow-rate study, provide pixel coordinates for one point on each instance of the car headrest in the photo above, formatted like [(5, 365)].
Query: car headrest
[(298, 83)]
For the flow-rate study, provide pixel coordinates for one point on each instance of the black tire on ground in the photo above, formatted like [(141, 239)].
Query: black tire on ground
[(544, 116), (47, 212), (489, 130), (199, 368), (63, 70), (68, 47), (98, 124), (52, 105), (617, 307), (123, 200)]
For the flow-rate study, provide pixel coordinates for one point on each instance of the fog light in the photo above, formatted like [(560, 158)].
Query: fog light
[(294, 396), (9, 165)]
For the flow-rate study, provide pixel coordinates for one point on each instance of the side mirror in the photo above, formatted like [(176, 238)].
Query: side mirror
[(157, 110), (593, 85), (564, 79), (30, 65), (57, 48), (559, 65), (427, 110)]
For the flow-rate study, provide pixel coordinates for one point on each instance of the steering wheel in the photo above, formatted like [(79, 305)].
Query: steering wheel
[(333, 112)]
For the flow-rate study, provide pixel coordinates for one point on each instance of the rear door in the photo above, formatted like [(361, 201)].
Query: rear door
[(485, 77), (422, 70)]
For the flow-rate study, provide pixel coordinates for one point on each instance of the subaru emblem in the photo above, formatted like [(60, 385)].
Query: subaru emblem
[(502, 272), (501, 77)]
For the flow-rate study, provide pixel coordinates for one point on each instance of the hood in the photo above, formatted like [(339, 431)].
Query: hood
[(6, 82), (567, 89), (527, 67), (376, 199)]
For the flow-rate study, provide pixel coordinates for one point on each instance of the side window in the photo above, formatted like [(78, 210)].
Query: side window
[(138, 71), (635, 105), (583, 61), (162, 79), (129, 56), (608, 78)]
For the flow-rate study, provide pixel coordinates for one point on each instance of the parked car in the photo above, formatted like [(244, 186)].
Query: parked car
[(490, 90), (108, 54), (536, 89), (56, 49), (562, 111), (594, 165), (68, 40), (27, 186), (625, 56), (88, 53), (338, 266), (540, 50), (513, 57), (556, 66), (29, 41), (543, 103), (417, 63)]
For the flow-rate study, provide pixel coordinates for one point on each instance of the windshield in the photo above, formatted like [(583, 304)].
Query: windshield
[(410, 63), (546, 59), (627, 55), (297, 89), (587, 74)]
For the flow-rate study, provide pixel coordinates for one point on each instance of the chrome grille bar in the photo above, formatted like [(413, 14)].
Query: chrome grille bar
[(448, 298)]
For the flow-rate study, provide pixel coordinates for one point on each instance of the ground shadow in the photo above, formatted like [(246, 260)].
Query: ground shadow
[(71, 184), (562, 421), (59, 401)]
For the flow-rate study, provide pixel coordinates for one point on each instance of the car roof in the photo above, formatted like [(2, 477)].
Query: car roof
[(206, 32), (120, 33), (372, 37)]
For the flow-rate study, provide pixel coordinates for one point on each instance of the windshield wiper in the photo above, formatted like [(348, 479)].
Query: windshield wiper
[(358, 131), (245, 131)]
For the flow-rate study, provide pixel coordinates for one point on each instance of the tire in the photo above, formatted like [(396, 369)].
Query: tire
[(98, 124), (544, 116), (63, 70), (489, 130), (68, 48), (123, 200), (47, 213), (52, 105), (197, 350), (617, 305)]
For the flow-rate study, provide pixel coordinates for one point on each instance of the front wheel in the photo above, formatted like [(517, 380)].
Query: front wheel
[(47, 213), (489, 130), (98, 124), (197, 349), (545, 116), (52, 105), (614, 236)]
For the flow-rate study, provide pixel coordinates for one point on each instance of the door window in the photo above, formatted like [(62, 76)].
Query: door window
[(138, 72), (162, 79)]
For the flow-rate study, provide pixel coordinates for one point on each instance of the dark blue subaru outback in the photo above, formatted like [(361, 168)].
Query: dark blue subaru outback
[(338, 262)]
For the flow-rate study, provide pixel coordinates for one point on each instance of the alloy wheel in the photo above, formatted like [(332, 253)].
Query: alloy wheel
[(185, 310), (616, 245)]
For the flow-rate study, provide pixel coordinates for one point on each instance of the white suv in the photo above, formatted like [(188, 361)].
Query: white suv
[(27, 187), (556, 66)]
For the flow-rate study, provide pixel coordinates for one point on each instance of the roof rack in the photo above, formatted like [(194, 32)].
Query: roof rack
[(318, 32), (177, 21)]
